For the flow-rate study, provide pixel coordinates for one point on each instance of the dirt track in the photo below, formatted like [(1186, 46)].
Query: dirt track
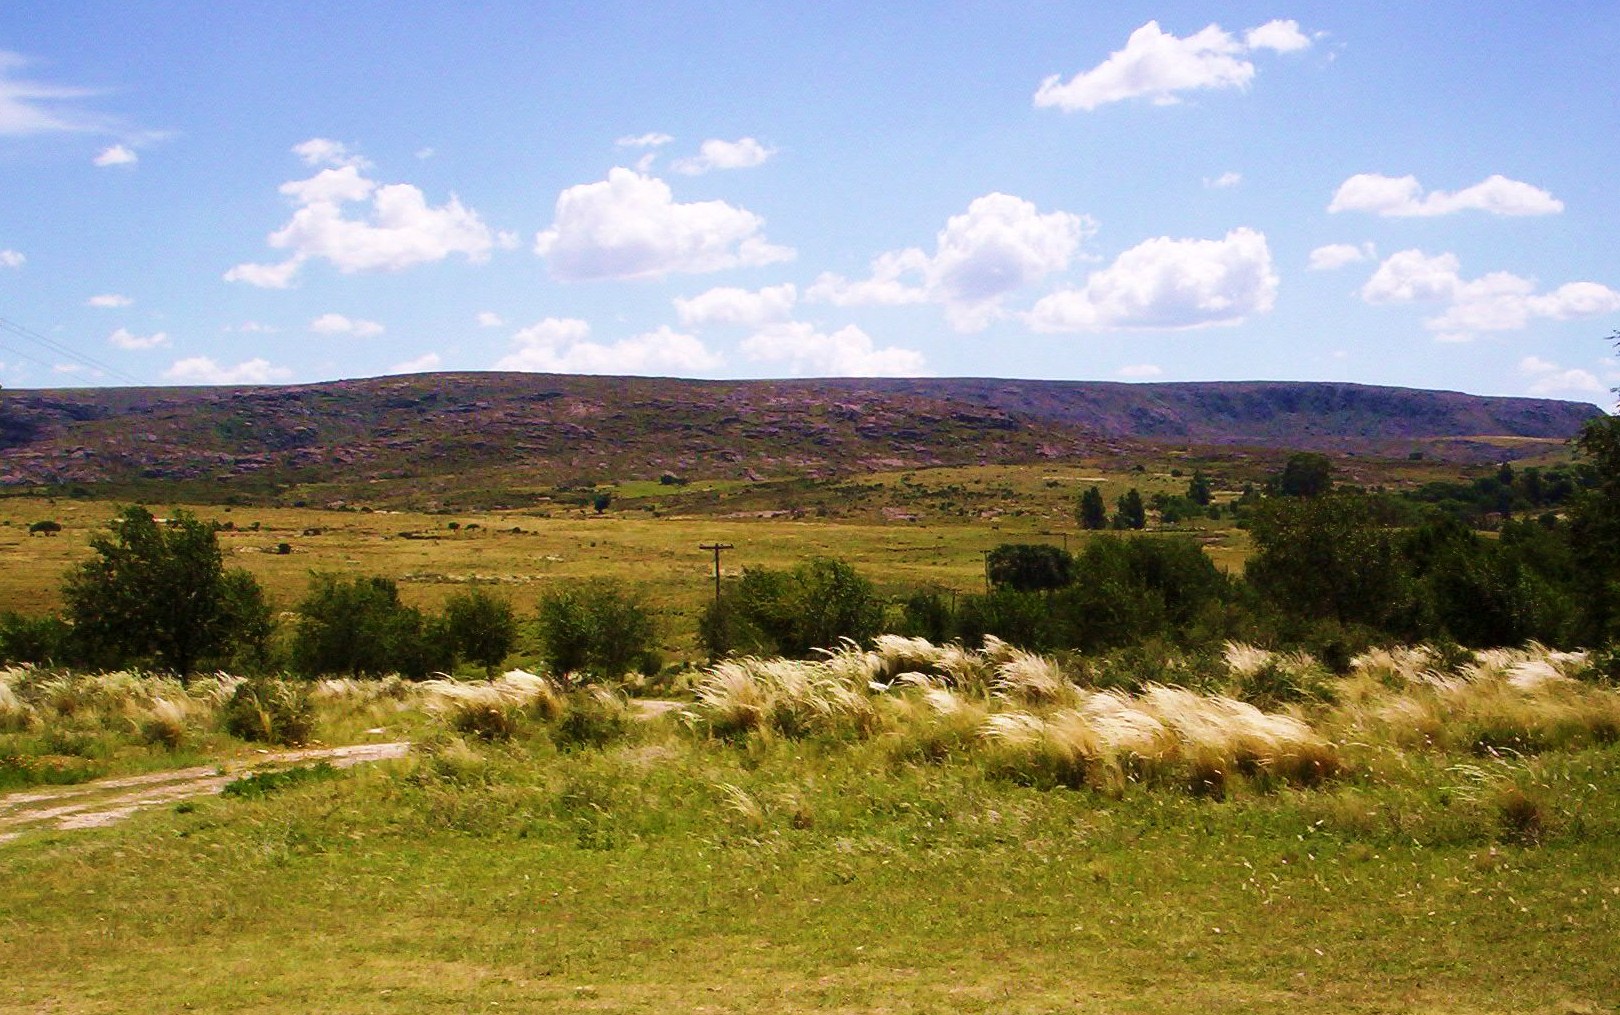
[(105, 801)]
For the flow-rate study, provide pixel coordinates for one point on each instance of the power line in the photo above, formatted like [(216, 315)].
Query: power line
[(20, 331)]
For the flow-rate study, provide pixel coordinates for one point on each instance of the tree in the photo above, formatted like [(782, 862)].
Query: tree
[(1595, 530), (482, 627), (359, 626), (1092, 512), (1029, 567), (1132, 514), (790, 613), (1198, 489), (1306, 474), (596, 628), (1325, 558), (159, 593)]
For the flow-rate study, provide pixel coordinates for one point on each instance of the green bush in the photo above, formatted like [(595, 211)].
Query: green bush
[(270, 711), (596, 629), (792, 613), (481, 626), (358, 626)]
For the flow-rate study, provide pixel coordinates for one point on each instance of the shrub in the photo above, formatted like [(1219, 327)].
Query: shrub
[(359, 627), (1029, 567), (482, 627), (593, 718), (270, 711), (792, 613), (34, 639), (595, 628)]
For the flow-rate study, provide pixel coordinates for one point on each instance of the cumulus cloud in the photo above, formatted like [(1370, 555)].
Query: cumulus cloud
[(1169, 283), (631, 226), (321, 151), (1337, 255), (403, 229), (203, 370), (123, 339), (1139, 371), (650, 140), (489, 319), (1499, 301), (1548, 378), (117, 155), (999, 245), (847, 352), (337, 324), (1157, 64), (12, 259), (426, 363), (1403, 197), (729, 305), (563, 346), (744, 153), (109, 301)]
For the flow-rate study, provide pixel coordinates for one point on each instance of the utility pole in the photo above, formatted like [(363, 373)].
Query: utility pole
[(716, 547)]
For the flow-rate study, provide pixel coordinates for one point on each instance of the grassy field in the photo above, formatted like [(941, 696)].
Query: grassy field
[(902, 530), (867, 865)]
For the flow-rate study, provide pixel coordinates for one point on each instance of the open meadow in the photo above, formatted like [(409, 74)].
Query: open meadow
[(986, 834)]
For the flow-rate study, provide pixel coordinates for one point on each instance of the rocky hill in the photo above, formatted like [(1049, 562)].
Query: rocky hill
[(554, 427)]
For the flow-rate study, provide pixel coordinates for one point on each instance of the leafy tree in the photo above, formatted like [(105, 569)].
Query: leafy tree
[(1595, 531), (1132, 588), (596, 628), (159, 593), (482, 627), (1092, 513), (359, 626), (1325, 557), (1029, 567), (1132, 513), (790, 613), (1199, 490), (1306, 474)]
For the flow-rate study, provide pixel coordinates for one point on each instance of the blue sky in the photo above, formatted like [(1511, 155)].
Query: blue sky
[(1417, 194)]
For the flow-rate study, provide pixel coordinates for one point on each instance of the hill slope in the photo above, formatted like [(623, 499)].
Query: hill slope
[(559, 426)]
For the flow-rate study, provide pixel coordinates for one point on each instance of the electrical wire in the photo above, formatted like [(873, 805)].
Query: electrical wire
[(20, 331)]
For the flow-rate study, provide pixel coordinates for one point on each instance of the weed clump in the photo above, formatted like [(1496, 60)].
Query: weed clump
[(270, 711)]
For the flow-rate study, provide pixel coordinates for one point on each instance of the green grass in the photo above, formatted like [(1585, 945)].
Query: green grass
[(665, 870)]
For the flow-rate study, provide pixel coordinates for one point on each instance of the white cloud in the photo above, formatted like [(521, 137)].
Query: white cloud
[(31, 107), (425, 363), (1403, 197), (254, 328), (489, 319), (562, 345), (117, 155), (123, 339), (425, 153), (847, 352), (630, 226), (1499, 301), (1548, 378), (12, 259), (1337, 255), (109, 301), (403, 230), (999, 245), (1224, 181), (728, 305), (1137, 371), (320, 151), (337, 324), (743, 153), (1166, 283), (1157, 64), (203, 370), (651, 140), (1278, 36)]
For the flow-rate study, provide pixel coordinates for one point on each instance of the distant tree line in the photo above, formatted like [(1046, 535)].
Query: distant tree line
[(1332, 568)]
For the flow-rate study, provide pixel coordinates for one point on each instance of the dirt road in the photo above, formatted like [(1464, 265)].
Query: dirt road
[(104, 801)]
